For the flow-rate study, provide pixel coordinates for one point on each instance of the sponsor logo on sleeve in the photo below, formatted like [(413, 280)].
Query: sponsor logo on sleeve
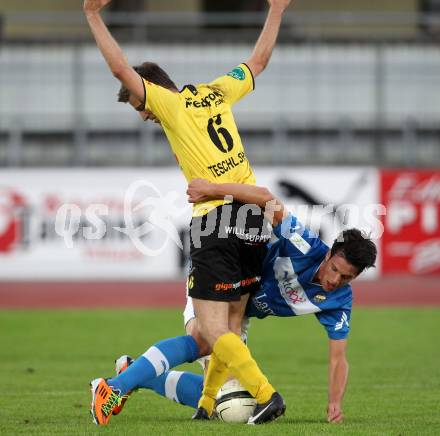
[(237, 73)]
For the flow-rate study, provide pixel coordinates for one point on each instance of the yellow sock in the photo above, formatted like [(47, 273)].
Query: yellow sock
[(235, 354), (215, 377)]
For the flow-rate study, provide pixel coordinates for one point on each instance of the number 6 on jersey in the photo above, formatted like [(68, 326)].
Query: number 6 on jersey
[(214, 134)]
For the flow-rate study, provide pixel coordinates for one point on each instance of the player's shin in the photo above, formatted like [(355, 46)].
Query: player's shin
[(231, 350), (215, 377), (183, 387), (159, 358)]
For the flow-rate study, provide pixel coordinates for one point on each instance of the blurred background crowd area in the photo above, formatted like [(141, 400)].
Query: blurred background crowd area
[(355, 83)]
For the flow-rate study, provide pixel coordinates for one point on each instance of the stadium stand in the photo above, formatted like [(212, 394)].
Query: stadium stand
[(360, 86)]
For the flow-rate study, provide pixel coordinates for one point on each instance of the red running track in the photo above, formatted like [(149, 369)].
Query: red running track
[(395, 290)]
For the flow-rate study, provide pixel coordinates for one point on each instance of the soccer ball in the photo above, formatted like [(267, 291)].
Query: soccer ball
[(234, 403)]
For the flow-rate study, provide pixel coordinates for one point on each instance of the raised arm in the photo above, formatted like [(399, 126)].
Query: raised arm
[(268, 37), (337, 379), (110, 49), (203, 190)]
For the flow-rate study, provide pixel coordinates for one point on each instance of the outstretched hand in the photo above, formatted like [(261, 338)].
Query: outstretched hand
[(198, 190), (94, 5), (281, 4)]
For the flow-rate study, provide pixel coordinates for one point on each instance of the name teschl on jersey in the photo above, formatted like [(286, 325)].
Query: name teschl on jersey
[(213, 98), (225, 165)]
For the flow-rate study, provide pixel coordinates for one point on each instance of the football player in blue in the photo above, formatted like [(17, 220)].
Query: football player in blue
[(301, 275)]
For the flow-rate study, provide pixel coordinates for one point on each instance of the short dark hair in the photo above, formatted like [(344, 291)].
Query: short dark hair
[(356, 247), (151, 72)]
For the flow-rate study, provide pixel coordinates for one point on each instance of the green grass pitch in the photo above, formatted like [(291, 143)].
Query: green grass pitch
[(47, 359)]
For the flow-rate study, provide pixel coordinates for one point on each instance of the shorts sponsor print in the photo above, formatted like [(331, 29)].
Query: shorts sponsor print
[(225, 287)]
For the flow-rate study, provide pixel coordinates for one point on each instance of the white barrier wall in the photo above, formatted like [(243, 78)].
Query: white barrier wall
[(101, 236)]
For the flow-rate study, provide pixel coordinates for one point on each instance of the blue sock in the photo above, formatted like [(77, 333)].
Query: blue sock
[(182, 387), (155, 361)]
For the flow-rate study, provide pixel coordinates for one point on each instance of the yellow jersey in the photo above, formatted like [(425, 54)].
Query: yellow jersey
[(201, 129)]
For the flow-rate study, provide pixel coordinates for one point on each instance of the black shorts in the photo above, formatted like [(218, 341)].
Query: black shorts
[(228, 246)]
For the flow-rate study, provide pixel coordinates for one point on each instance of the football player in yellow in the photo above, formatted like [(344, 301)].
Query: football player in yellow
[(225, 265)]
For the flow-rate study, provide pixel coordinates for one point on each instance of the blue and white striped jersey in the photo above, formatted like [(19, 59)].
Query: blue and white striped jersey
[(294, 255)]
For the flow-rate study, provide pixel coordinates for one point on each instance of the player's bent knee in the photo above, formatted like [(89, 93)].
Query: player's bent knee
[(212, 332), (192, 329)]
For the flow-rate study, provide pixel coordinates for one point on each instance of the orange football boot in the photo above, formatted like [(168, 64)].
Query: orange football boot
[(104, 401)]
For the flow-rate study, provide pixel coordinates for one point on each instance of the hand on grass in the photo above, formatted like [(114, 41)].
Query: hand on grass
[(334, 413)]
